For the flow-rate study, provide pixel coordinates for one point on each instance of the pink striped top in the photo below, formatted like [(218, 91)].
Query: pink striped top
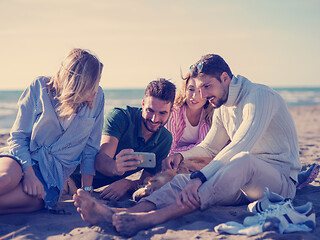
[(176, 126)]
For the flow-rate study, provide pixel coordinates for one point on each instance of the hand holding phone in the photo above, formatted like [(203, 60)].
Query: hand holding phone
[(147, 160)]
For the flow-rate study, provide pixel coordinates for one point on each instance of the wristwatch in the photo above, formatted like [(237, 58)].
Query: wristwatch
[(87, 189), (198, 174)]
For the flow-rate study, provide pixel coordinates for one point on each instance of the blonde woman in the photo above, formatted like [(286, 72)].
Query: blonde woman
[(58, 126), (190, 119)]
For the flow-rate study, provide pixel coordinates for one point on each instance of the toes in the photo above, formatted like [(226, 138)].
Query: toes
[(115, 221), (77, 204)]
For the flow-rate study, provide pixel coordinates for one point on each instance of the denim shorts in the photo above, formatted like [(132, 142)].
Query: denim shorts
[(52, 194)]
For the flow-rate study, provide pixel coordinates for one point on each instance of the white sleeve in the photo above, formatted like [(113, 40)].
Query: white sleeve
[(257, 114), (215, 140)]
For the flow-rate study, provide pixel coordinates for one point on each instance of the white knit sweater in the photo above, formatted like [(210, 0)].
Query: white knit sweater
[(258, 121)]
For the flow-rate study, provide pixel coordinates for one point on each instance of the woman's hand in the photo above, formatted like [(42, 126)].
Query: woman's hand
[(172, 162), (31, 184)]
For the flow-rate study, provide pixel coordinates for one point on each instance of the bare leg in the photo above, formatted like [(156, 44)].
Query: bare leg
[(17, 201), (10, 174), (12, 197), (128, 224)]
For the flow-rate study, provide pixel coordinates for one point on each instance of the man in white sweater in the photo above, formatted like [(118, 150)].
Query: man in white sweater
[(263, 152)]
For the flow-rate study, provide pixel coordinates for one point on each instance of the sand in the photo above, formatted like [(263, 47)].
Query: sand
[(198, 225)]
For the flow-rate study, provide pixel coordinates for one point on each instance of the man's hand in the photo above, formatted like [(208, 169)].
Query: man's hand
[(189, 195), (122, 164), (117, 189), (172, 162), (31, 184)]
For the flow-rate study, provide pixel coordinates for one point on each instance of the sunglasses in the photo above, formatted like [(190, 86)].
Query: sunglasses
[(198, 67)]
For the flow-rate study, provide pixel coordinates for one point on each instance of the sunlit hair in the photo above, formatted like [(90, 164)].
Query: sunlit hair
[(210, 64), (181, 99), (75, 81), (162, 89)]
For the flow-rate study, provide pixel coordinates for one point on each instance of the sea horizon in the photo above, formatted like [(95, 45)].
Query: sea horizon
[(294, 96)]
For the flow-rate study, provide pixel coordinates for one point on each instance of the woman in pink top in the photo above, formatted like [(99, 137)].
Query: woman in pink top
[(190, 119)]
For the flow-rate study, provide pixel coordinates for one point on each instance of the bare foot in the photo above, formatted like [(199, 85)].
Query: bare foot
[(90, 209), (128, 224)]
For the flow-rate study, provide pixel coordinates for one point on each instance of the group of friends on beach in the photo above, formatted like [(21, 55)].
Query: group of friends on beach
[(61, 134)]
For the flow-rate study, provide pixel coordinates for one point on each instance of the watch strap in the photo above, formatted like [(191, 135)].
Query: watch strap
[(198, 174)]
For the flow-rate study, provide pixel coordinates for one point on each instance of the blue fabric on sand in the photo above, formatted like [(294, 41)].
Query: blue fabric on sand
[(51, 194)]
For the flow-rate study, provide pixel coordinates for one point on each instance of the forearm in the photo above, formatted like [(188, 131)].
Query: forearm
[(20, 135), (255, 122), (28, 171), (181, 149), (86, 180), (197, 151), (214, 141), (105, 164)]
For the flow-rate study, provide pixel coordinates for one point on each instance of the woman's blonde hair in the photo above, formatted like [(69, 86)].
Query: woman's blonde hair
[(181, 100), (75, 81)]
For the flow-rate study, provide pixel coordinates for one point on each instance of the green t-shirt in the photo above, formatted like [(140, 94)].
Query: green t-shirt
[(125, 125)]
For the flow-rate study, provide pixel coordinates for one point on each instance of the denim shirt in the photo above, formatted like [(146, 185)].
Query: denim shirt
[(37, 136)]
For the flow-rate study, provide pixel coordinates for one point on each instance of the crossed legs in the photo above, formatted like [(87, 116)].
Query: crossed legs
[(244, 177)]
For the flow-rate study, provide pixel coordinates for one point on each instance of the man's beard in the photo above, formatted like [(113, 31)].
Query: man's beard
[(219, 103), (145, 122)]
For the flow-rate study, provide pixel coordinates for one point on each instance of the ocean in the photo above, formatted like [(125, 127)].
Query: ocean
[(133, 97)]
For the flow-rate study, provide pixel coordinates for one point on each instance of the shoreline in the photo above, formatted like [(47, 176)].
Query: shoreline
[(297, 113)]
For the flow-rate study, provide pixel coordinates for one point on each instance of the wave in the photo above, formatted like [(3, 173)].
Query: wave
[(123, 97), (301, 98)]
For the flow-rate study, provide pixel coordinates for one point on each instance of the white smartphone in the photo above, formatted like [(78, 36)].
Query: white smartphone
[(148, 160)]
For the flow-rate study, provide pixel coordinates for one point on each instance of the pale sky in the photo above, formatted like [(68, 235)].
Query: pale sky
[(274, 42)]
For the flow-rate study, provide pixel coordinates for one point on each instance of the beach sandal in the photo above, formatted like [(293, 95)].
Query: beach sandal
[(308, 176)]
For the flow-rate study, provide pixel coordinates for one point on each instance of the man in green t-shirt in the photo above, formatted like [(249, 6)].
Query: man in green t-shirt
[(129, 130)]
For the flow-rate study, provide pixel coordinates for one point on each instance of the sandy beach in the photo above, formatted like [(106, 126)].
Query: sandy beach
[(198, 225)]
